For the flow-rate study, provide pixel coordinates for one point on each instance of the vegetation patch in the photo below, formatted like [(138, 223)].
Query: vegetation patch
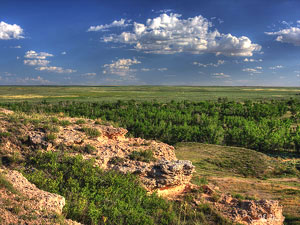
[(91, 132), (7, 185), (116, 160), (4, 135), (50, 137), (97, 197), (266, 126), (78, 122), (144, 156), (64, 123)]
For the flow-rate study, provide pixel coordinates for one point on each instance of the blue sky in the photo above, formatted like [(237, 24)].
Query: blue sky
[(190, 42)]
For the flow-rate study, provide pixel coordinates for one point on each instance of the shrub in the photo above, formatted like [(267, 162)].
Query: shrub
[(91, 132), (144, 156), (80, 122), (5, 184), (89, 149), (4, 135), (64, 122), (54, 120), (51, 128), (97, 197), (50, 137), (116, 160)]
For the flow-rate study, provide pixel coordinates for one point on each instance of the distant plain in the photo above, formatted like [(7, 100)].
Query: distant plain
[(142, 93)]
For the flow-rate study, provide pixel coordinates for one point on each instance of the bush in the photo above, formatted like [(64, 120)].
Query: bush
[(89, 149), (78, 122), (5, 184), (4, 135), (50, 137), (91, 132), (116, 160), (97, 197), (64, 122), (54, 120), (144, 156)]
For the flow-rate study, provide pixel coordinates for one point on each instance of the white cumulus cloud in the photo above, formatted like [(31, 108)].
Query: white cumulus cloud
[(55, 69), (289, 35), (39, 59), (162, 69), (36, 62), (257, 69), (37, 55), (220, 75), (168, 34), (275, 67), (219, 62), (252, 60), (116, 23), (9, 31), (121, 67)]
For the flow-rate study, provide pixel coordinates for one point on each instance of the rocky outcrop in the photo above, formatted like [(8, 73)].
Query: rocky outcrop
[(248, 212), (114, 133), (171, 173), (254, 212), (158, 175), (44, 200), (161, 172)]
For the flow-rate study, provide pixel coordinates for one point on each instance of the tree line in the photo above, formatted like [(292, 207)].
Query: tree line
[(264, 126)]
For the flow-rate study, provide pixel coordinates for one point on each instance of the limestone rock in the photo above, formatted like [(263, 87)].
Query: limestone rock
[(114, 133), (172, 173), (37, 138), (43, 199), (251, 212)]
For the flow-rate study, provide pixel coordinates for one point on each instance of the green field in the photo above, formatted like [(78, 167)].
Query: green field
[(159, 93)]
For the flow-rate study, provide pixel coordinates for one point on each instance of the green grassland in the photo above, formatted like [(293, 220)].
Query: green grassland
[(142, 93)]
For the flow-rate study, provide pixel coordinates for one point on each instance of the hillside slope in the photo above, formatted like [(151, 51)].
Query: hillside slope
[(246, 174)]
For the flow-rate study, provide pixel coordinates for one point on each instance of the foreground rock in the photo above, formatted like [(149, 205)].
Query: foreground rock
[(28, 204)]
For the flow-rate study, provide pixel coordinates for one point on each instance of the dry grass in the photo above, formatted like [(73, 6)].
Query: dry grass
[(35, 96)]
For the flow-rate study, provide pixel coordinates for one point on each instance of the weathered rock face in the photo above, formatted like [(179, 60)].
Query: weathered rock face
[(254, 212), (171, 173), (38, 139), (114, 133), (43, 199), (160, 174), (164, 171)]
